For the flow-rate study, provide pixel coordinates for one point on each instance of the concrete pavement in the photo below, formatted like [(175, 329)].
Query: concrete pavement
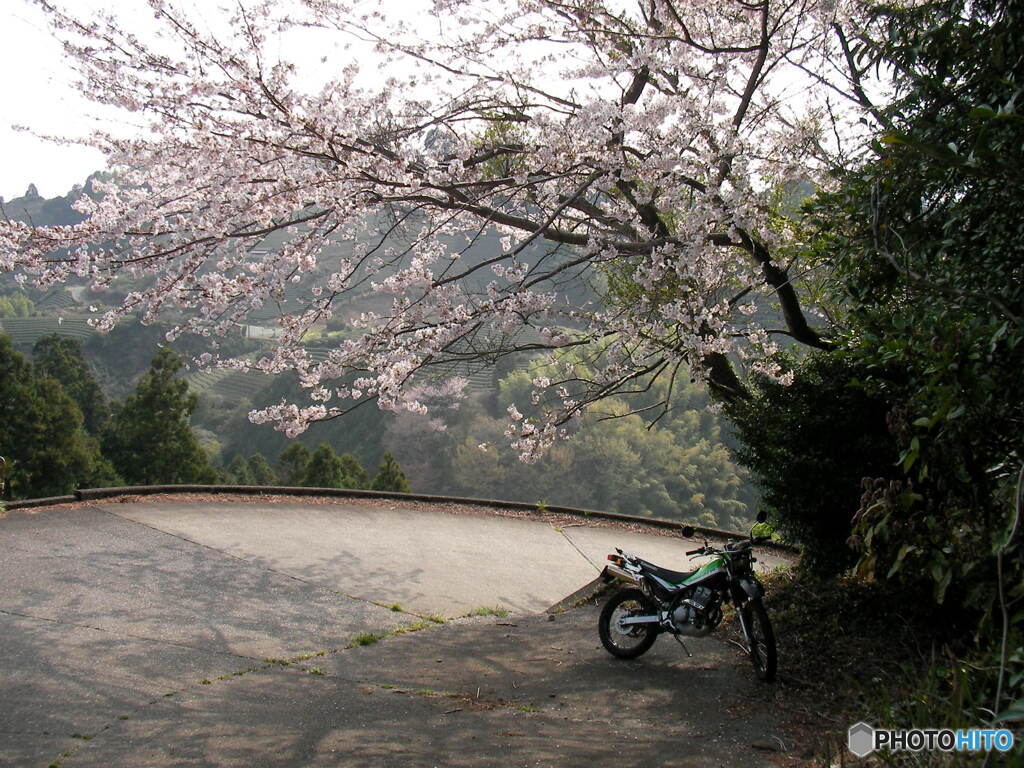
[(106, 609)]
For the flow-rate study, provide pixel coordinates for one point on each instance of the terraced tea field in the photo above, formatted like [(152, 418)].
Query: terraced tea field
[(226, 383), (28, 330)]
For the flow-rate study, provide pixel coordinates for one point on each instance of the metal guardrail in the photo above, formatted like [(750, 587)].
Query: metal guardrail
[(96, 494)]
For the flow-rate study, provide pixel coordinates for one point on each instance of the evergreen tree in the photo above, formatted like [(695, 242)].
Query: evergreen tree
[(390, 476), (292, 464), (325, 469), (62, 359), (41, 434), (150, 440), (260, 471), (355, 475), (238, 471)]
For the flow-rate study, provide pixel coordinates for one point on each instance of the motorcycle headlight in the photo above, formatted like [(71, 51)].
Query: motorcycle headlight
[(740, 559)]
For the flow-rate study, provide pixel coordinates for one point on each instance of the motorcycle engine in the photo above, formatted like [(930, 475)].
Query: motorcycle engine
[(697, 613)]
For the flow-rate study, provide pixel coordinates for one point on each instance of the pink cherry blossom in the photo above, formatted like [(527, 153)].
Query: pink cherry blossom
[(595, 181)]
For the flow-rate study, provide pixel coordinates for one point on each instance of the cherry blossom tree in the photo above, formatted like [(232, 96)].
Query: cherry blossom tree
[(644, 150)]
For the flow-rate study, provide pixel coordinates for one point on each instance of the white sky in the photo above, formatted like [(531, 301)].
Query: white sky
[(35, 91)]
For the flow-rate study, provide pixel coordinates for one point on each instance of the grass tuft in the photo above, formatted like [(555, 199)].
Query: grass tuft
[(366, 638), (414, 627), (485, 610)]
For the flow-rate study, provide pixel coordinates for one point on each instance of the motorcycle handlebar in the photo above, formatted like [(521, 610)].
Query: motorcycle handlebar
[(706, 550)]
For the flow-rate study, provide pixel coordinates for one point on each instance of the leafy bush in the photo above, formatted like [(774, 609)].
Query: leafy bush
[(809, 445), (888, 655), (924, 245)]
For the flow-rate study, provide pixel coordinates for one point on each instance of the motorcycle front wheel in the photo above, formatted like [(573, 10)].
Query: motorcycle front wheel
[(760, 640), (632, 640)]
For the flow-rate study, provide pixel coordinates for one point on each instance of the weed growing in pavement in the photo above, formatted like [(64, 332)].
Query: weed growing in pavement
[(430, 693), (275, 662), (414, 627), (366, 638), (394, 607), (484, 610)]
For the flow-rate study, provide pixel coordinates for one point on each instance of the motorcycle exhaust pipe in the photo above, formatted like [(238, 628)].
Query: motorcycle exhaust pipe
[(612, 571)]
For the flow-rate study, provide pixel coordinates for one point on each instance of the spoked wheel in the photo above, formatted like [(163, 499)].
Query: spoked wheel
[(759, 639), (631, 640)]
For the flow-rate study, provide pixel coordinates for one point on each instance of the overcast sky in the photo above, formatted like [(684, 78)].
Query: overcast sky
[(35, 91)]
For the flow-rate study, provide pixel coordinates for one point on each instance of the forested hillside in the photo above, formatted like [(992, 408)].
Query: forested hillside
[(679, 469)]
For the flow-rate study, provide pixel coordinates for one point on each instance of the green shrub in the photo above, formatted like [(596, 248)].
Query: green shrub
[(809, 445)]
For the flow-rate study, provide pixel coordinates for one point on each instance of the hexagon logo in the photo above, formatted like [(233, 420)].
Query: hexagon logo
[(861, 739)]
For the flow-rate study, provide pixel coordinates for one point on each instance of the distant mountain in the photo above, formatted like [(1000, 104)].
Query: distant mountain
[(52, 212)]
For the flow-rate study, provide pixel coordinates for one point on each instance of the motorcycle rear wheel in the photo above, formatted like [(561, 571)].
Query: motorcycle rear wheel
[(634, 640), (760, 640)]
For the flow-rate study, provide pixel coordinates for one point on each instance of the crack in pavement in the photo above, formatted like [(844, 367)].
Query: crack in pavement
[(80, 740), (572, 543)]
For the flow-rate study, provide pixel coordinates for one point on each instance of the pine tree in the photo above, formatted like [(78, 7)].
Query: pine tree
[(325, 469), (150, 441), (41, 434), (62, 359), (260, 471), (355, 475), (292, 464), (238, 471), (390, 476)]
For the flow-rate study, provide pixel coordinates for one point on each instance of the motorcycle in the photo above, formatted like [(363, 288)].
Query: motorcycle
[(688, 603)]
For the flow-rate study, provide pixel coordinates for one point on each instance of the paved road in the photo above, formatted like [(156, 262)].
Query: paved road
[(107, 609)]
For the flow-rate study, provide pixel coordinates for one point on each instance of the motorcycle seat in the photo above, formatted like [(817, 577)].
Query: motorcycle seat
[(672, 577)]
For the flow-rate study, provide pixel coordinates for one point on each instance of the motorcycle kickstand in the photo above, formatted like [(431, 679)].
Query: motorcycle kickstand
[(684, 646)]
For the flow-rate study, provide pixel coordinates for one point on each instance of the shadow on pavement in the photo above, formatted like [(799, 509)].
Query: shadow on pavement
[(526, 691)]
